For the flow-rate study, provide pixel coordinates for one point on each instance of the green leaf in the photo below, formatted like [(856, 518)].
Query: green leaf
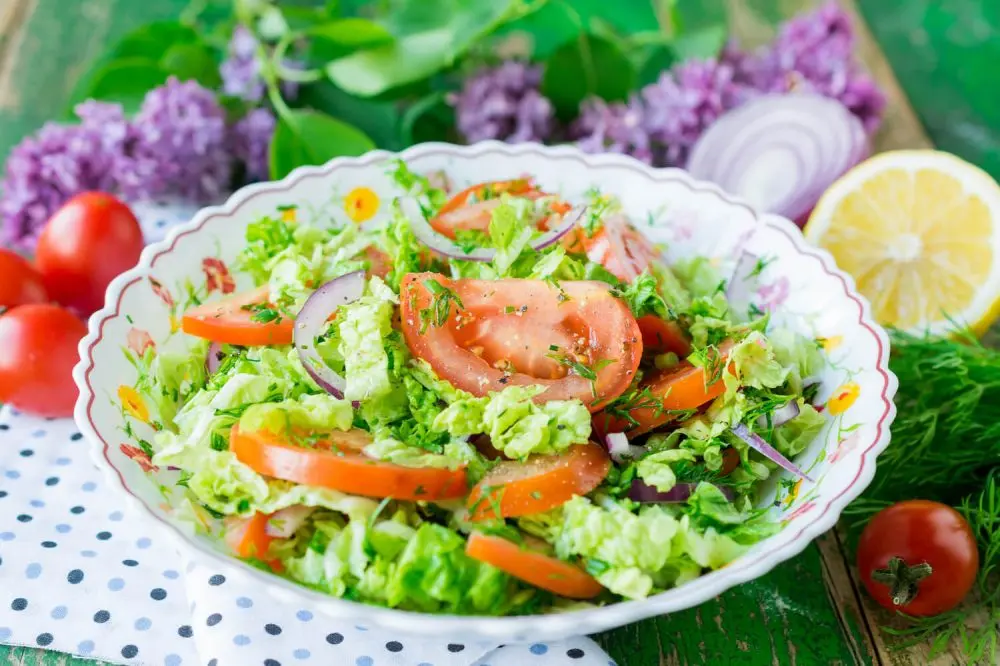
[(379, 120), (150, 41), (428, 119), (304, 136), (192, 61), (704, 43), (584, 67), (430, 35), (657, 60), (126, 82), (355, 33)]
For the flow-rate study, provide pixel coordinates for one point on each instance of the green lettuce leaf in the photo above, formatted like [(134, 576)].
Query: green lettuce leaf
[(792, 437), (311, 412), (655, 468), (801, 355), (363, 325), (169, 378)]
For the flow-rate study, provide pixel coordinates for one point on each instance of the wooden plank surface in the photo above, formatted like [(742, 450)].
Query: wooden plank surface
[(808, 611)]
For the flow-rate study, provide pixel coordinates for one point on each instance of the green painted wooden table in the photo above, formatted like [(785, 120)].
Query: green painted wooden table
[(943, 54)]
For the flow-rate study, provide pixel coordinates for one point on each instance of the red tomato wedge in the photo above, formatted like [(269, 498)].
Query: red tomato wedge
[(532, 566), (539, 483), (678, 389), (248, 538), (617, 245), (660, 335), (379, 263), (459, 213), (522, 332), (230, 321), (336, 462)]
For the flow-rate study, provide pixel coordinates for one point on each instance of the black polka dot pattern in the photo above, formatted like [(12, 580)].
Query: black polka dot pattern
[(271, 662), (213, 662), (334, 638), (217, 579), (49, 544), (158, 593), (455, 647), (575, 653), (52, 480), (76, 437), (272, 629), (27, 453), (44, 639), (102, 616), (394, 646), (130, 651), (19, 604), (103, 536), (77, 510), (74, 576), (24, 518), (130, 563), (213, 619), (185, 631)]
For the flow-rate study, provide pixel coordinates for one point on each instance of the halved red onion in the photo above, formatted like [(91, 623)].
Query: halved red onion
[(443, 245), (781, 152), (213, 357), (681, 492), (312, 319), (758, 444), (285, 522), (619, 449), (781, 415)]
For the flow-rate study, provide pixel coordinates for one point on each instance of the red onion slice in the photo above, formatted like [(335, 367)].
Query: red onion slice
[(781, 152), (312, 319), (285, 522), (781, 415), (213, 357), (757, 443), (619, 449), (681, 492), (443, 245)]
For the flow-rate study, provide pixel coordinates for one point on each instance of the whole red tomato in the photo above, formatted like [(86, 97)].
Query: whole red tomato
[(37, 354), (20, 283), (88, 242), (918, 557)]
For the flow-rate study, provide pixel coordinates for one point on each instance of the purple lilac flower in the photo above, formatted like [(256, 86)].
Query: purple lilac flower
[(504, 103), (251, 142), (241, 70), (45, 170), (685, 101), (180, 144), (815, 52), (613, 128)]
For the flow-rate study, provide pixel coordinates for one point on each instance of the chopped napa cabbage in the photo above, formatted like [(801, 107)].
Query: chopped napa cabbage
[(311, 412), (363, 325), (283, 494), (698, 276), (792, 437), (655, 468), (169, 378), (518, 426), (755, 364), (454, 454), (801, 355)]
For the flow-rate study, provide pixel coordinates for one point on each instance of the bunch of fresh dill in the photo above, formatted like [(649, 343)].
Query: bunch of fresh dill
[(946, 447)]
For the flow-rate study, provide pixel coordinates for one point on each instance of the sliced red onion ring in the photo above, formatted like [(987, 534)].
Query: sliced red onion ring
[(423, 230), (285, 522), (312, 319), (619, 449), (781, 152), (647, 494), (213, 357), (781, 415), (757, 443)]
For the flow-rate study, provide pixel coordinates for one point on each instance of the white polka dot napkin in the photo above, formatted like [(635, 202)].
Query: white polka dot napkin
[(79, 574)]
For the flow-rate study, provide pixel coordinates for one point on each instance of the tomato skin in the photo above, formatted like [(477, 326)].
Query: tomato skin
[(88, 242), (534, 567), (20, 283), (38, 349), (539, 483), (660, 335), (617, 245), (920, 531), (228, 322), (337, 462), (477, 216), (516, 322)]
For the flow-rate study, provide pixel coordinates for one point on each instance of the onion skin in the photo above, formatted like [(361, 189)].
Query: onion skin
[(758, 444)]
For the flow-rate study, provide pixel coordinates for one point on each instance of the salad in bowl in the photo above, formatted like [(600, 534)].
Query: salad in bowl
[(504, 398)]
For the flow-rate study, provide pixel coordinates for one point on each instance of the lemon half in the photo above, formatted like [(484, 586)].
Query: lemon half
[(920, 232)]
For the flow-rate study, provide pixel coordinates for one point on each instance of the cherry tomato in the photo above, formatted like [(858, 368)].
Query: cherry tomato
[(235, 321), (20, 283), (539, 483), (529, 563), (523, 332), (918, 557), (38, 349), (336, 461), (87, 243)]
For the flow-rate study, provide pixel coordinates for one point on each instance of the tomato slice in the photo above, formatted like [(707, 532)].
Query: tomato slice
[(379, 263), (660, 335), (532, 566), (730, 461), (505, 331), (617, 245), (539, 483), (230, 321), (459, 213), (248, 538), (677, 389), (336, 461)]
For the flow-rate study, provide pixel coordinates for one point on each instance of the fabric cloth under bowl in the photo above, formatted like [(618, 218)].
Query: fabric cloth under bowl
[(80, 574)]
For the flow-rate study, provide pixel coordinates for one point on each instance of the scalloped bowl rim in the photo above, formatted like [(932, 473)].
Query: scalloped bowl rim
[(550, 626)]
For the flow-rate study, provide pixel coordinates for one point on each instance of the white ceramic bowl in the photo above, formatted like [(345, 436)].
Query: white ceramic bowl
[(801, 286)]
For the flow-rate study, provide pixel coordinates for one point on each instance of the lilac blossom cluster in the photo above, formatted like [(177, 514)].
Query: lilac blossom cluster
[(660, 124)]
